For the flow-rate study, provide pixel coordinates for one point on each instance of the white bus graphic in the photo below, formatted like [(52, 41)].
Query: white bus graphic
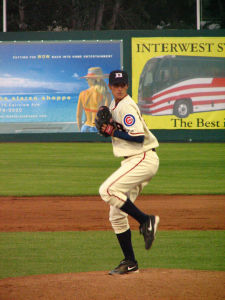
[(182, 85)]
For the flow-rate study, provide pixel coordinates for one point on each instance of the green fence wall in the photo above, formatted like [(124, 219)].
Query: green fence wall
[(125, 35)]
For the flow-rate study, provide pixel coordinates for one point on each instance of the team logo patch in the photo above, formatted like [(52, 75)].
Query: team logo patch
[(119, 75), (129, 120)]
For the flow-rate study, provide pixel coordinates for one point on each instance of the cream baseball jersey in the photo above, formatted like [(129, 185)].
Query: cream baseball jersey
[(127, 114)]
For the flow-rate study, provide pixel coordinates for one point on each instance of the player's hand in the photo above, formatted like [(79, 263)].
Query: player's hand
[(104, 122), (108, 129)]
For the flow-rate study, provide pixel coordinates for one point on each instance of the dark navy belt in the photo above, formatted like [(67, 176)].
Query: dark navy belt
[(153, 149)]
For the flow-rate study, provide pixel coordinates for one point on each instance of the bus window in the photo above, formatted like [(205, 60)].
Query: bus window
[(175, 73), (147, 78), (163, 76)]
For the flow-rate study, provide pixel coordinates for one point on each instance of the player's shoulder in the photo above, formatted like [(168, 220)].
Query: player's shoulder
[(128, 102), (128, 99)]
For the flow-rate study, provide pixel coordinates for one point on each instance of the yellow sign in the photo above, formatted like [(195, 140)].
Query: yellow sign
[(179, 82)]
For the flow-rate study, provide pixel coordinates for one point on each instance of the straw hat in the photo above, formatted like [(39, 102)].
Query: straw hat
[(95, 72)]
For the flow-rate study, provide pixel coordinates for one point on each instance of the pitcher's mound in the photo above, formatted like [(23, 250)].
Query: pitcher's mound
[(148, 284)]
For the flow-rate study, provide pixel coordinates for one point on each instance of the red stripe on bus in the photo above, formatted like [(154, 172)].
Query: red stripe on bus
[(161, 109), (182, 96), (204, 102), (216, 82)]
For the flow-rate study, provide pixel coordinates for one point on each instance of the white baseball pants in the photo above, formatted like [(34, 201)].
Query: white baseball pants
[(127, 182)]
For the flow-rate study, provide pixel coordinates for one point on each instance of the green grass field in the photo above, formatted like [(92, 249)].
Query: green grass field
[(25, 253), (65, 169)]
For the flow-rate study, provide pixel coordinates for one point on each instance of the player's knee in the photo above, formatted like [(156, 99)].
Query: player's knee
[(119, 223), (110, 196)]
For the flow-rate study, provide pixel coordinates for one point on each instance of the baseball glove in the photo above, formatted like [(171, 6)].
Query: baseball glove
[(104, 116)]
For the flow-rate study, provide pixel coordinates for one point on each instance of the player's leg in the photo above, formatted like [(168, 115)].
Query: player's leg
[(120, 225), (148, 223), (115, 189), (134, 171), (122, 230)]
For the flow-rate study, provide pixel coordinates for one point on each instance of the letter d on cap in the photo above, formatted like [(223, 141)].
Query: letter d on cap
[(118, 75)]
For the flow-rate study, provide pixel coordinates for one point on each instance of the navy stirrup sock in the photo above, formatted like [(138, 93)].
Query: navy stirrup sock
[(126, 245), (134, 212)]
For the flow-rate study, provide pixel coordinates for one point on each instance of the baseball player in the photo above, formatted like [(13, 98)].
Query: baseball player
[(132, 140)]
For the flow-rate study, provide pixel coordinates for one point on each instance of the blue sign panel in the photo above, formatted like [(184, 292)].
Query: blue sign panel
[(40, 82)]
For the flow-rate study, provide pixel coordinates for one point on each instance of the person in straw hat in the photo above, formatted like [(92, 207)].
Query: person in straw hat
[(90, 99)]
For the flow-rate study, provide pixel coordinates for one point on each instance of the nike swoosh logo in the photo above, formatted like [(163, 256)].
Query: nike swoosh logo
[(150, 227), (131, 268)]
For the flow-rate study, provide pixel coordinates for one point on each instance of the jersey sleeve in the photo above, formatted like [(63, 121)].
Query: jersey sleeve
[(131, 122), (126, 136)]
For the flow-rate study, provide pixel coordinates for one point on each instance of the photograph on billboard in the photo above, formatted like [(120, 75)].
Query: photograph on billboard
[(179, 82), (55, 86)]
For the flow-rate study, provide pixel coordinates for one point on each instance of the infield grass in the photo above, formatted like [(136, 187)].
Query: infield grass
[(28, 169), (25, 253)]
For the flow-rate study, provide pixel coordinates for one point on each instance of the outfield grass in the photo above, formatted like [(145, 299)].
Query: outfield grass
[(25, 253), (66, 168), (28, 169)]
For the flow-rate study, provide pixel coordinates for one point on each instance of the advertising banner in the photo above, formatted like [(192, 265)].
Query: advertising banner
[(55, 86), (179, 82)]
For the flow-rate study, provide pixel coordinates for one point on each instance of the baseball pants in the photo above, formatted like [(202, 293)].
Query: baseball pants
[(127, 182)]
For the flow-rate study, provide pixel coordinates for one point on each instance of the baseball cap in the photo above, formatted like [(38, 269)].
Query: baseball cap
[(118, 77)]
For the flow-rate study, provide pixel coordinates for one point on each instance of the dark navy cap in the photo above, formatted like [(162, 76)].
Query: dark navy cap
[(118, 77)]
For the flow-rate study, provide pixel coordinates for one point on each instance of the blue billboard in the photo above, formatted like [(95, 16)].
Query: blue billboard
[(41, 83)]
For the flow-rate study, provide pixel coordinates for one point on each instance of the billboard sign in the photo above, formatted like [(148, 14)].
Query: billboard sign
[(179, 83), (40, 82)]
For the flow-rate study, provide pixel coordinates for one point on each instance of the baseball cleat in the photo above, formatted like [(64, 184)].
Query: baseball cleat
[(125, 266), (148, 229)]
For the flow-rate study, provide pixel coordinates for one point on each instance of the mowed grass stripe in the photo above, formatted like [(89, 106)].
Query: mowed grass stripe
[(28, 169), (29, 253)]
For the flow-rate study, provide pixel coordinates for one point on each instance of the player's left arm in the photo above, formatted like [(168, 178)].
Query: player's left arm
[(122, 134), (126, 136)]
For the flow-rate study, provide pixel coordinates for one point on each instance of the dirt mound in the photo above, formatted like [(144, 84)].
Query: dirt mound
[(177, 212), (147, 284)]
